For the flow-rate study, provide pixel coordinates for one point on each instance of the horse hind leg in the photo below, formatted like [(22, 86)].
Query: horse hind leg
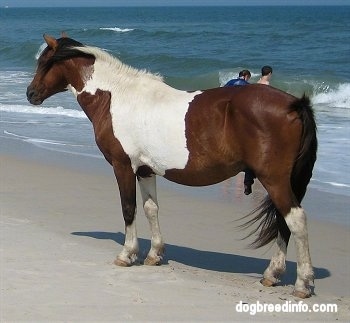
[(295, 219), (277, 265), (150, 205)]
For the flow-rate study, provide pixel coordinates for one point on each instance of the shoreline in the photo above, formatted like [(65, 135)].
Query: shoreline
[(230, 191), (61, 228)]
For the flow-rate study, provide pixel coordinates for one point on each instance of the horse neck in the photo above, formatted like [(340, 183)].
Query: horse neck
[(104, 80), (112, 75), (77, 70)]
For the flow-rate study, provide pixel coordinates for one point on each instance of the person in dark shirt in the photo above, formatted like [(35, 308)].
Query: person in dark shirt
[(249, 175), (242, 79)]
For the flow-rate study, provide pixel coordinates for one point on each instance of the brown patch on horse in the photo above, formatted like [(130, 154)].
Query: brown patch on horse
[(209, 141), (97, 108), (233, 134)]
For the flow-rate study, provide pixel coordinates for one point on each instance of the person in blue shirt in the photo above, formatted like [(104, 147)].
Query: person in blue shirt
[(249, 175), (242, 79)]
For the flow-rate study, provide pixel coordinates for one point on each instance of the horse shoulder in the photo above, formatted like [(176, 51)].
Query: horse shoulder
[(97, 108)]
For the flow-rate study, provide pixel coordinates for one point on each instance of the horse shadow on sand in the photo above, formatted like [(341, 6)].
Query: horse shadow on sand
[(209, 260)]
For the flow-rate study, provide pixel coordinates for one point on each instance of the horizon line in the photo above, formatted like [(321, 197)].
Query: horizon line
[(176, 5)]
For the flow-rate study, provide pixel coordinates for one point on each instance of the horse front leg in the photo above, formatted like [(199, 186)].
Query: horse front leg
[(150, 205), (127, 188)]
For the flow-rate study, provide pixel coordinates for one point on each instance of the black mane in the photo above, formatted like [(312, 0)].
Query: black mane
[(66, 49)]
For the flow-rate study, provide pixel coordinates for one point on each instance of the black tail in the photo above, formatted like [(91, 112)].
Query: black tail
[(270, 220)]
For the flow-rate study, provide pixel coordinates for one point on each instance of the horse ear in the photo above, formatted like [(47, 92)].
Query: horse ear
[(50, 41), (64, 34)]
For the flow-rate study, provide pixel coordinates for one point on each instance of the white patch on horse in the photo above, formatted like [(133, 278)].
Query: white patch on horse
[(148, 116), (296, 222), (73, 90), (131, 247)]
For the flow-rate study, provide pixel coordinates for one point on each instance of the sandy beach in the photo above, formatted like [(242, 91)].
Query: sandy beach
[(61, 229)]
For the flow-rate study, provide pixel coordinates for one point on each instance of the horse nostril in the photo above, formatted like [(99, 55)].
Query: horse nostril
[(33, 96), (30, 93)]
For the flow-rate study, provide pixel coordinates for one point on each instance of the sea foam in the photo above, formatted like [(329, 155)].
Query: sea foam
[(338, 97), (117, 29), (44, 111)]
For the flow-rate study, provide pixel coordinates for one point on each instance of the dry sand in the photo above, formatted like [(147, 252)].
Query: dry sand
[(62, 228)]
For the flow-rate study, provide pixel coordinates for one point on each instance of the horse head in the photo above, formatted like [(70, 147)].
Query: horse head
[(51, 73)]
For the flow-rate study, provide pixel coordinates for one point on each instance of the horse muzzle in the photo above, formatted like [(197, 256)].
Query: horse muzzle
[(33, 97)]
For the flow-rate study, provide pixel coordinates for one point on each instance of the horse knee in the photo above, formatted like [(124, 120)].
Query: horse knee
[(150, 207)]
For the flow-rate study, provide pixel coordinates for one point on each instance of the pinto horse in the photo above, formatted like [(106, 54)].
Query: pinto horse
[(146, 128)]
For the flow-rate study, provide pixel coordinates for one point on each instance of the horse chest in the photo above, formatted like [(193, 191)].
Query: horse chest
[(152, 134)]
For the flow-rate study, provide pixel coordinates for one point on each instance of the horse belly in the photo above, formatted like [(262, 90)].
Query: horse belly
[(192, 176)]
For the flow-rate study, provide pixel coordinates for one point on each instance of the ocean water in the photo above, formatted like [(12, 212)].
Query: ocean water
[(193, 48)]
